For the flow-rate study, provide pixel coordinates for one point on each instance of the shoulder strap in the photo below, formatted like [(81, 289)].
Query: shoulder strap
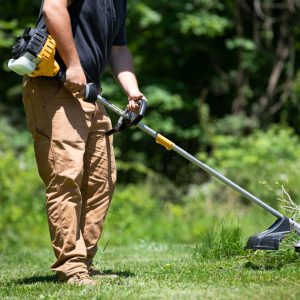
[(38, 23)]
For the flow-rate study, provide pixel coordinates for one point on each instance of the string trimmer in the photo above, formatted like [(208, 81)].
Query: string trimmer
[(33, 55), (266, 240)]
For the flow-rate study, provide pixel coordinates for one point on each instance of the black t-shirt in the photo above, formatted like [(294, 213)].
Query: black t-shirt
[(97, 25)]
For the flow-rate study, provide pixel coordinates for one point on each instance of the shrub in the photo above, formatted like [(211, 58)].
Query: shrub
[(261, 162), (22, 216)]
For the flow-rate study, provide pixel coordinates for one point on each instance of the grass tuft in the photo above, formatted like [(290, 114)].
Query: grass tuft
[(222, 239)]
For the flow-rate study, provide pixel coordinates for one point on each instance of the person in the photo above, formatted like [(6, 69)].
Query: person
[(75, 158)]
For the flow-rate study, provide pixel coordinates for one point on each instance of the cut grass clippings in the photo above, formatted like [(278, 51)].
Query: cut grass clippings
[(157, 271)]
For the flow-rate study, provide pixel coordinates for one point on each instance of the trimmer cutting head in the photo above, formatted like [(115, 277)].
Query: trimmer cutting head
[(270, 238)]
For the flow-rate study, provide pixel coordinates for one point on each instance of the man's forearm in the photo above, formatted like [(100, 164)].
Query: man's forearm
[(58, 23), (122, 68)]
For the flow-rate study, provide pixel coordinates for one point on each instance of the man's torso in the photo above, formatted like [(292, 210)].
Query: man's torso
[(96, 26)]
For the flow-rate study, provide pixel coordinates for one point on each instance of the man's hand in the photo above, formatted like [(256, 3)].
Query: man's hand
[(133, 98), (75, 80)]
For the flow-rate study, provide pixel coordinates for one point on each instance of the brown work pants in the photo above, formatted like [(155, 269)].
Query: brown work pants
[(76, 162)]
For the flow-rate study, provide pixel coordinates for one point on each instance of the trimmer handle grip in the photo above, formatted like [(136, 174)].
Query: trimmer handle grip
[(91, 93), (128, 118)]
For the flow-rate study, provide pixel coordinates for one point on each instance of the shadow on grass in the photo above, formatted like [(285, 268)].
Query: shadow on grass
[(37, 279), (53, 278)]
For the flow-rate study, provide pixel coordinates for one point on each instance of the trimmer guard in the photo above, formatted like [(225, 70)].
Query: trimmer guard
[(270, 238)]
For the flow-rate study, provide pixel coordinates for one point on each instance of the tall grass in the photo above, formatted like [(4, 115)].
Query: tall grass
[(221, 239)]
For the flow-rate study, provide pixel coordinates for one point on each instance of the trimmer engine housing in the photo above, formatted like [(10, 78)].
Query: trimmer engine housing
[(33, 54)]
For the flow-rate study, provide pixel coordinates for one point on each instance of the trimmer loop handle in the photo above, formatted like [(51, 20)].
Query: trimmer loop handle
[(128, 117)]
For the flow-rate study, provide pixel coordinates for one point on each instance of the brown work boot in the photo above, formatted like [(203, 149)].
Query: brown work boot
[(81, 278)]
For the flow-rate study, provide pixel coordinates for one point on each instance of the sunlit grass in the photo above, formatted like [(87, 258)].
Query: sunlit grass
[(157, 271)]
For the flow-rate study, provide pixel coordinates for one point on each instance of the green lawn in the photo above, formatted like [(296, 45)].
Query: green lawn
[(156, 271)]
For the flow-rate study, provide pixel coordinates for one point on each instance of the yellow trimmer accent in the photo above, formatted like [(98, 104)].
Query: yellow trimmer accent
[(160, 139), (48, 65)]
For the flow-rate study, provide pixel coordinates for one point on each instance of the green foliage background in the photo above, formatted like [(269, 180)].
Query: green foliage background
[(206, 68)]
